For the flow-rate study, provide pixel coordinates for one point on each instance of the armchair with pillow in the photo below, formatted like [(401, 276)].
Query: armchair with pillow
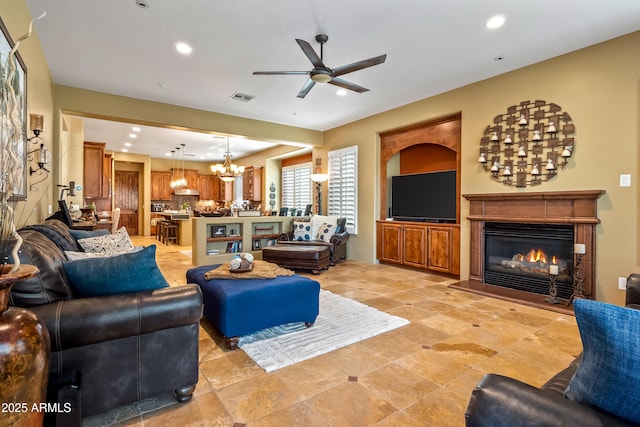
[(600, 388), (320, 230), (112, 318)]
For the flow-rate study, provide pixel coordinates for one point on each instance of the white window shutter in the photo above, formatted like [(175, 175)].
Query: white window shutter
[(343, 186)]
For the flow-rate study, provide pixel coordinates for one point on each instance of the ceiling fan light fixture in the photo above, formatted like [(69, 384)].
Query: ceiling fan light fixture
[(320, 76)]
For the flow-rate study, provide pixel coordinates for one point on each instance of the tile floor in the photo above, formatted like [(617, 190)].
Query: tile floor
[(420, 374)]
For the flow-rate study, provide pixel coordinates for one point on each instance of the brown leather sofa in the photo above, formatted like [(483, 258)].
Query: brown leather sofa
[(337, 244), (499, 401), (124, 347)]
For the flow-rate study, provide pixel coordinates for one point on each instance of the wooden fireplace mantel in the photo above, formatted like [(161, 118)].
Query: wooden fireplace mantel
[(556, 207)]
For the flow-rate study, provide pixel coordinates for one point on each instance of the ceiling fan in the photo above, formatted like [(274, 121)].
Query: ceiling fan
[(323, 74)]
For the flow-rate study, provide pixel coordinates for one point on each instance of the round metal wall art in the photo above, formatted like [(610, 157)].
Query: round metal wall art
[(528, 144)]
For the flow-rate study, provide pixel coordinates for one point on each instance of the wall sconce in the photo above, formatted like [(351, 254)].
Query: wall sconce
[(40, 155), (528, 144)]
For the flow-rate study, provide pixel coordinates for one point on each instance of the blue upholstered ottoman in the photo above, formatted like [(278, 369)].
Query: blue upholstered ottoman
[(240, 307)]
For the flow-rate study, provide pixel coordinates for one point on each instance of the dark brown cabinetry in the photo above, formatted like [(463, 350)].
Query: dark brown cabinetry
[(252, 183), (160, 185), (420, 245)]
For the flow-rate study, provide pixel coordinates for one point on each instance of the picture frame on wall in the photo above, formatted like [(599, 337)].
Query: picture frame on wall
[(19, 86)]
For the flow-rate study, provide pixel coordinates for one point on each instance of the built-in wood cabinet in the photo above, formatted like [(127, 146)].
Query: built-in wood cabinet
[(443, 243), (390, 242), (160, 185), (252, 183), (421, 245)]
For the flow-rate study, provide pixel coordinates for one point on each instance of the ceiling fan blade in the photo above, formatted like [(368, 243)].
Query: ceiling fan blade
[(311, 54), (365, 63), (348, 85), (306, 88), (277, 73)]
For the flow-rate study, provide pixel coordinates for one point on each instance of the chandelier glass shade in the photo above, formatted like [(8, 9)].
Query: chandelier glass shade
[(227, 171), (178, 182)]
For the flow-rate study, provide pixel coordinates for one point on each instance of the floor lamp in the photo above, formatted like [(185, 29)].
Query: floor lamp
[(318, 179)]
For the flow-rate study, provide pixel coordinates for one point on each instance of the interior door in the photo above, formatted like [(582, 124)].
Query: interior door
[(126, 198)]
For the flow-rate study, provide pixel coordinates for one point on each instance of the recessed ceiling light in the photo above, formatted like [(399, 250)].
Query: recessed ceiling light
[(127, 144), (183, 48), (133, 135), (124, 150), (142, 4), (496, 21), (167, 154), (341, 92), (135, 129)]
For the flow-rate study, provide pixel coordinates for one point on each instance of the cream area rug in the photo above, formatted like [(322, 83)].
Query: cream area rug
[(342, 321)]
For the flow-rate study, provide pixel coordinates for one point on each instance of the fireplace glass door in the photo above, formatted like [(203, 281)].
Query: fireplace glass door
[(518, 256)]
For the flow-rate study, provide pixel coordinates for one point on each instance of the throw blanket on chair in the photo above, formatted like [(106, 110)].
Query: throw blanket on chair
[(261, 270)]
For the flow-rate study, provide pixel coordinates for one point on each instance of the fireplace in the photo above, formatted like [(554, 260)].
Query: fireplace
[(520, 256), (552, 222)]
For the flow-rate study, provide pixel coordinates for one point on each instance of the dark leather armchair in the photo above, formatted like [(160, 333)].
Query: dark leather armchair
[(499, 401), (337, 243), (125, 347)]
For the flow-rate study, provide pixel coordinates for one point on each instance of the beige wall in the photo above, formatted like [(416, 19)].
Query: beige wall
[(16, 17), (597, 86)]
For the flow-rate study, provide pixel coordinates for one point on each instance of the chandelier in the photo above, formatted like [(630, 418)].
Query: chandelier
[(228, 171), (178, 182)]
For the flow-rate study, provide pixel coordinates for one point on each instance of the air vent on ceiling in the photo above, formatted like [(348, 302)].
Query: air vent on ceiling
[(237, 96)]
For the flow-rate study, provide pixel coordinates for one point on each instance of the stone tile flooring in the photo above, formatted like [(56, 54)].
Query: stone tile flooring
[(420, 374)]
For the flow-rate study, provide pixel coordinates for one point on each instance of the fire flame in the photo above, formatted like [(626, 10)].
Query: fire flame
[(536, 255)]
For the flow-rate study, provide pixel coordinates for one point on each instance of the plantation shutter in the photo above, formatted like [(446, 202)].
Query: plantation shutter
[(343, 186), (296, 186)]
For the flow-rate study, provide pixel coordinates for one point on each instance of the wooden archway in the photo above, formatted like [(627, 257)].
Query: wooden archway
[(445, 131)]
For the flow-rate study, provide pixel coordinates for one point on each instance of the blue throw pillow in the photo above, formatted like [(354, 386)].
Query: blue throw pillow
[(85, 234), (608, 376), (128, 272)]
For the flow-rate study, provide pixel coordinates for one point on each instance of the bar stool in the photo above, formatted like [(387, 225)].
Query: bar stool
[(160, 230), (170, 232)]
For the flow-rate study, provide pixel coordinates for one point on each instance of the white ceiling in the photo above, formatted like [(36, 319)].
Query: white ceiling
[(432, 46)]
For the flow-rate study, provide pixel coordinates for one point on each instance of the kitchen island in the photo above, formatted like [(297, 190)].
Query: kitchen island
[(184, 225)]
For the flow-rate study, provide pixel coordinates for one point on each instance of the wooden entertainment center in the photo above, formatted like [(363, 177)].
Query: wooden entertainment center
[(425, 147)]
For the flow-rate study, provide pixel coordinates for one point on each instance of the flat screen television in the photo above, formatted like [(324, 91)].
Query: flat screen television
[(428, 197)]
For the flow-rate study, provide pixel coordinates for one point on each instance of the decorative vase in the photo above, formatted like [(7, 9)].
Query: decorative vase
[(24, 356)]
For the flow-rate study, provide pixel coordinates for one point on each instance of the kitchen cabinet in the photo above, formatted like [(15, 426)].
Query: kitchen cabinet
[(160, 185), (93, 158), (252, 183), (427, 246), (107, 169), (193, 178)]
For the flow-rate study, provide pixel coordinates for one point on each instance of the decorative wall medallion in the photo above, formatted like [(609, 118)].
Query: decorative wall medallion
[(272, 195), (527, 144)]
